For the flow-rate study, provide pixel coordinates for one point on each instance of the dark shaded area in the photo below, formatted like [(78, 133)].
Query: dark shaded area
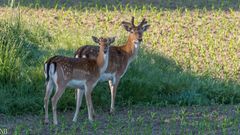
[(151, 79), (154, 78), (127, 4)]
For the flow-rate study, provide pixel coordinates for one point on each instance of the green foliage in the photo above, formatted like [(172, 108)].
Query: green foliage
[(20, 58)]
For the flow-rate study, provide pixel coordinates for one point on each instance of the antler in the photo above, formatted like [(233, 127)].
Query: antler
[(142, 23), (133, 21)]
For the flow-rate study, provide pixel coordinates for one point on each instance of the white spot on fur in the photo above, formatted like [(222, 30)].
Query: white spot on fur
[(77, 56), (84, 56), (136, 46)]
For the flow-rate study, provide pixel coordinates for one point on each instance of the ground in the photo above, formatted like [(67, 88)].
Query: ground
[(215, 119)]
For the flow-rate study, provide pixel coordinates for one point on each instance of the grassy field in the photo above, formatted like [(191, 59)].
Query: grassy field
[(189, 56), (134, 120)]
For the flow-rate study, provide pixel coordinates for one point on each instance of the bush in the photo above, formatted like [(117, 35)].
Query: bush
[(20, 57)]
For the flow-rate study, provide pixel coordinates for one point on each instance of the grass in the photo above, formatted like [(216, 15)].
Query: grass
[(19, 62), (135, 120), (189, 56), (128, 4)]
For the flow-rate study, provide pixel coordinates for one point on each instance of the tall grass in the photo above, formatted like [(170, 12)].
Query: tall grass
[(20, 58)]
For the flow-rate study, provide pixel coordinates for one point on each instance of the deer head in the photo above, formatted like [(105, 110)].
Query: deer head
[(136, 32), (104, 42)]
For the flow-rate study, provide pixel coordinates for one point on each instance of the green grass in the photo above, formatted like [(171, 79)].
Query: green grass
[(135, 120), (20, 61), (127, 4), (190, 56)]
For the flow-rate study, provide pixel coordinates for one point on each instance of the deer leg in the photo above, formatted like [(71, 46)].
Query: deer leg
[(93, 111), (113, 84), (79, 96), (88, 97), (55, 98), (49, 88)]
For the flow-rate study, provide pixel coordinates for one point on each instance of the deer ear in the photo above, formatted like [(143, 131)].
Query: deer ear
[(145, 27), (127, 26), (95, 39), (112, 39)]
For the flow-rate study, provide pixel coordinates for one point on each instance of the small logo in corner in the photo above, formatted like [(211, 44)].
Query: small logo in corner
[(3, 131)]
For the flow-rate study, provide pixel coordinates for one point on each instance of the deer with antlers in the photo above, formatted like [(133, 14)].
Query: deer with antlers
[(76, 73), (120, 56)]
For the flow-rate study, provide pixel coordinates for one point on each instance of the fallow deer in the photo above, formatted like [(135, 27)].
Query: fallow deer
[(76, 73), (120, 56)]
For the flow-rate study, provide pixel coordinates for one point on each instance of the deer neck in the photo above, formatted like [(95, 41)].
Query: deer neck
[(131, 48), (102, 60)]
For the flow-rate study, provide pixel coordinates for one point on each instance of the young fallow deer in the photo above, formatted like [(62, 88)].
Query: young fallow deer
[(119, 56), (76, 73)]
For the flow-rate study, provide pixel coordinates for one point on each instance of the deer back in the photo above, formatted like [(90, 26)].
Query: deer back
[(72, 68)]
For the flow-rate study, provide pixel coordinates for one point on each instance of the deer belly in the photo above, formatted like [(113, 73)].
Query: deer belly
[(76, 83), (107, 76)]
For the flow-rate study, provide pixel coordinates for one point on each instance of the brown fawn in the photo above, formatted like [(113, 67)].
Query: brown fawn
[(119, 56), (76, 73)]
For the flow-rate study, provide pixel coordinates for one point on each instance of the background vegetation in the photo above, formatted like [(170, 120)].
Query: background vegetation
[(190, 55)]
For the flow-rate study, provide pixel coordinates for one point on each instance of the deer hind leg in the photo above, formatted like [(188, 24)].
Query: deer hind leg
[(49, 88), (55, 98), (88, 91), (79, 96), (113, 84)]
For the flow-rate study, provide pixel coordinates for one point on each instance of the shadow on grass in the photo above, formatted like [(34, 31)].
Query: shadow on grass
[(126, 4), (155, 79)]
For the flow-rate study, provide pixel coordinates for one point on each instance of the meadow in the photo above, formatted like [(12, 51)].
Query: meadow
[(189, 62)]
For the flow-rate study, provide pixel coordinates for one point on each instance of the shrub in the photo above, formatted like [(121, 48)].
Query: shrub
[(20, 57)]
